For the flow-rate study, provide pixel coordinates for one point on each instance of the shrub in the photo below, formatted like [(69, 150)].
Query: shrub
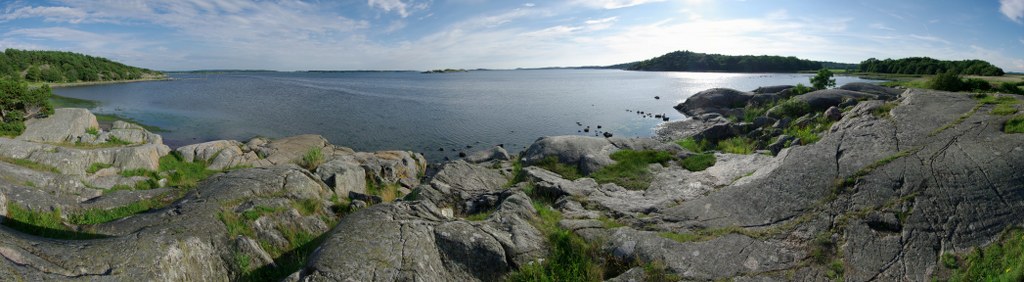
[(792, 108), (801, 89), (947, 81), (823, 79), (630, 168), (313, 158), (737, 145), (698, 162), (92, 131)]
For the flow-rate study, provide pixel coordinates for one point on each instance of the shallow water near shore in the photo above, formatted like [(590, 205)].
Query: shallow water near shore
[(370, 111)]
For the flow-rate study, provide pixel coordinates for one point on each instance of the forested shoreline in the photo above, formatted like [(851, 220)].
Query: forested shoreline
[(61, 67)]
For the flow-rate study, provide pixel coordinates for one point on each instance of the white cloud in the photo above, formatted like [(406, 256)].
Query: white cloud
[(881, 26), (1013, 9), (614, 4), (929, 38), (388, 5), (52, 14)]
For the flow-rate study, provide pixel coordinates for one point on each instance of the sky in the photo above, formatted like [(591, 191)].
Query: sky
[(433, 34)]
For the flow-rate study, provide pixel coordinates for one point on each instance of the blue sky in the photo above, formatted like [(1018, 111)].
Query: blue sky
[(430, 34)]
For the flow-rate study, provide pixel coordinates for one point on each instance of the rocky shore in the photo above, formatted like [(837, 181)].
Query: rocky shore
[(858, 183)]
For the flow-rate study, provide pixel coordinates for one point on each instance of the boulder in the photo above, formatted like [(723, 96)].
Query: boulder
[(589, 154), (458, 182), (133, 133), (723, 101), (402, 167), (344, 176), (886, 93), (74, 161), (833, 113), (496, 153), (771, 89), (220, 154), (823, 99), (65, 125)]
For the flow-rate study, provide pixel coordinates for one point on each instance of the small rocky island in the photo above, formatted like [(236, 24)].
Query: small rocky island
[(858, 183)]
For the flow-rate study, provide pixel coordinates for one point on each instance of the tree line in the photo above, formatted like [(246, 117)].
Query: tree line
[(59, 66), (925, 65), (691, 61)]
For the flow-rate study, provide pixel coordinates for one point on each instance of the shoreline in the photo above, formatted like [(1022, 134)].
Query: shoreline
[(91, 83)]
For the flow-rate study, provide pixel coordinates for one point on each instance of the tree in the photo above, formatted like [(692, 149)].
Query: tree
[(823, 79), (947, 81), (34, 74)]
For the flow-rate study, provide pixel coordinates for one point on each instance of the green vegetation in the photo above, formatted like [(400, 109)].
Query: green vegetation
[(18, 102), (288, 259), (387, 192), (792, 108), (29, 164), (925, 65), (690, 61), (181, 173), (46, 224), (551, 163), (698, 162), (97, 216), (1002, 261), (68, 102), (110, 118), (94, 167), (657, 271), (92, 131), (1014, 125), (737, 145), (480, 216), (58, 66), (823, 79), (801, 89), (630, 168), (313, 158), (693, 145), (883, 110), (570, 258)]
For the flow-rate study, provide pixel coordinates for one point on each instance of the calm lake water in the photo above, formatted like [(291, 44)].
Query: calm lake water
[(411, 111)]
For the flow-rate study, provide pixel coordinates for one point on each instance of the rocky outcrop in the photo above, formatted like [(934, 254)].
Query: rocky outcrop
[(823, 99), (75, 161), (588, 154), (64, 125), (722, 101), (497, 153), (415, 241)]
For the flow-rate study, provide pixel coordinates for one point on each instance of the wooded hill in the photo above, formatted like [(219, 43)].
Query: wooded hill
[(691, 61), (925, 65), (59, 66)]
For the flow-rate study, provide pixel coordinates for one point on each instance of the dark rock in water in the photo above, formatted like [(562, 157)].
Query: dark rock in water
[(462, 154), (664, 118), (503, 145), (607, 135), (469, 146), (441, 149), (657, 97), (586, 129), (771, 89), (717, 100), (657, 116), (833, 114), (598, 127), (579, 124)]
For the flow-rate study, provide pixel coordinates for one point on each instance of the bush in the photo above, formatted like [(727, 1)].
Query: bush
[(1002, 261), (801, 89), (947, 81), (823, 79), (792, 108), (693, 145)]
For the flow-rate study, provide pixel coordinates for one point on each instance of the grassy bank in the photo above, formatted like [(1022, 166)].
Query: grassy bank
[(88, 83)]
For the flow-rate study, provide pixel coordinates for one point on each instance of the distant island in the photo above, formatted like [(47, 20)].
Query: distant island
[(692, 61), (67, 67), (445, 71), (925, 65)]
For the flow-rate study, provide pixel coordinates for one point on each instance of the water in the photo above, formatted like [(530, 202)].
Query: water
[(411, 111)]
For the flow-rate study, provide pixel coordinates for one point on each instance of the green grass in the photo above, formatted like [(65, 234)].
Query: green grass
[(609, 222), (805, 134), (1002, 261), (46, 224), (570, 258), (551, 163), (114, 141), (883, 110), (97, 216), (93, 131), (852, 179), (698, 162), (185, 174), (693, 145), (707, 234), (94, 167), (312, 159), (792, 108), (737, 145), (480, 216), (630, 168), (657, 271), (29, 164), (1014, 125), (387, 192), (1004, 110), (258, 211), (308, 207)]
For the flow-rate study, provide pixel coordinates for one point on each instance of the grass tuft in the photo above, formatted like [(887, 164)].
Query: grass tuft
[(630, 168), (94, 167), (1002, 261), (313, 158), (1004, 110), (737, 145), (29, 164), (1014, 125), (693, 145), (552, 164), (698, 162)]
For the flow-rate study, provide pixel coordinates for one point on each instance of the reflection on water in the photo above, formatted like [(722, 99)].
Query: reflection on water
[(411, 111)]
